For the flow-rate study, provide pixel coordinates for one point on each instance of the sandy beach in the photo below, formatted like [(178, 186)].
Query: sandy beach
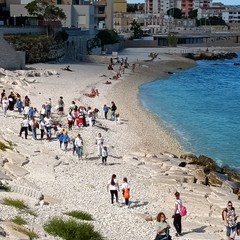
[(139, 149)]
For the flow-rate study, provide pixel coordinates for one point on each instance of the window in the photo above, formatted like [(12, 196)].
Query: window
[(59, 1)]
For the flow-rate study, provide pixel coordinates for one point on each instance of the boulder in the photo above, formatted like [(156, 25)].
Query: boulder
[(215, 179), (200, 176), (189, 179), (189, 157), (171, 155)]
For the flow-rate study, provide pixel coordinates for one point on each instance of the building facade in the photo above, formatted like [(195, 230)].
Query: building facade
[(79, 13)]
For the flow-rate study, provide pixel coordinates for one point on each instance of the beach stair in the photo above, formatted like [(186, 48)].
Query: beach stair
[(26, 191)]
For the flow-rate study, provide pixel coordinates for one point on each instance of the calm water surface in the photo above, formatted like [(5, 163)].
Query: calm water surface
[(201, 107)]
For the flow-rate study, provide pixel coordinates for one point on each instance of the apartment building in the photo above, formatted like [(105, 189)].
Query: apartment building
[(80, 13), (231, 15), (120, 6), (210, 12)]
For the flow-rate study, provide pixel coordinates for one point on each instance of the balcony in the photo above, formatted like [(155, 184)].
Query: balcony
[(100, 15)]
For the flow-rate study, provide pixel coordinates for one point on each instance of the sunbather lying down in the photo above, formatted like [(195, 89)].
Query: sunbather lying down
[(93, 93), (67, 68), (108, 82)]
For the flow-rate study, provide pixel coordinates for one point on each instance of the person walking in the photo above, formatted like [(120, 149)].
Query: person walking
[(113, 110), (24, 127), (104, 153), (34, 125), (126, 191), (229, 216), (177, 219), (105, 110), (65, 139), (162, 228), (61, 106), (113, 187), (79, 146), (99, 142)]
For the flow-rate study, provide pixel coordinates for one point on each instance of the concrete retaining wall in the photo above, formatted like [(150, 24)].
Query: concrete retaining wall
[(9, 58)]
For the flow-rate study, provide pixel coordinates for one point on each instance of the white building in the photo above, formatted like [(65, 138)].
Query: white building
[(231, 15)]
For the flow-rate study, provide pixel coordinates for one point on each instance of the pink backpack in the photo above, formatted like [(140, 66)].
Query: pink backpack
[(183, 211)]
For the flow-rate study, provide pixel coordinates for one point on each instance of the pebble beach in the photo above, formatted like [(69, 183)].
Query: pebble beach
[(139, 149)]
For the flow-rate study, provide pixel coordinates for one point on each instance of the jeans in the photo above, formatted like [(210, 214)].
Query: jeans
[(113, 115), (79, 152), (177, 223), (49, 133), (34, 133), (105, 115), (114, 192), (230, 230)]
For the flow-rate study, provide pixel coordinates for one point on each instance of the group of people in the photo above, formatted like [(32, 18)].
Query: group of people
[(113, 188)]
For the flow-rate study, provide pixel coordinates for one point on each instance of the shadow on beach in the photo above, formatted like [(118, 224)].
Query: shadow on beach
[(136, 204), (196, 230)]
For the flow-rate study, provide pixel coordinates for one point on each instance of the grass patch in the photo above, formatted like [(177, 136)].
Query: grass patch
[(19, 220), (4, 147), (80, 215), (31, 234), (5, 188), (71, 230), (15, 203)]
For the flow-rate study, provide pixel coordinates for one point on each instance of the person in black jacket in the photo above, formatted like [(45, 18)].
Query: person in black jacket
[(113, 109)]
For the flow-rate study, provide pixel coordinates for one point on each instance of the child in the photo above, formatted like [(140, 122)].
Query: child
[(126, 191), (104, 155)]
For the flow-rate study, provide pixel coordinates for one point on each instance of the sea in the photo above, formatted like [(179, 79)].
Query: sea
[(200, 107)]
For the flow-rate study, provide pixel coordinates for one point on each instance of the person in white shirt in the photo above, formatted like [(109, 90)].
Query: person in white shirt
[(99, 142), (113, 187), (79, 146), (5, 104), (177, 217), (24, 127), (104, 153)]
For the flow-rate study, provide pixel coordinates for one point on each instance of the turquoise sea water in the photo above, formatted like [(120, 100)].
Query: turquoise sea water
[(201, 108)]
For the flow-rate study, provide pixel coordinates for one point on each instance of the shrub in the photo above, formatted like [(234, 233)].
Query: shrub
[(71, 230), (80, 215), (15, 203), (4, 147), (5, 188), (19, 220)]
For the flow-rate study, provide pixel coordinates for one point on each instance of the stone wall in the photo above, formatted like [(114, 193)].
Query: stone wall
[(9, 58)]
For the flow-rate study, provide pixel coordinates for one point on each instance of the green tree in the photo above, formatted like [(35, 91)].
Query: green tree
[(175, 13), (136, 28), (44, 10), (172, 40), (193, 13), (107, 37), (211, 21)]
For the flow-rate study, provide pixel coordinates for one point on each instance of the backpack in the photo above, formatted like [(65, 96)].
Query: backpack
[(225, 210), (183, 211), (126, 193)]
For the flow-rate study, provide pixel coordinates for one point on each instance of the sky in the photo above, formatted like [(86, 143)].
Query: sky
[(226, 2)]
